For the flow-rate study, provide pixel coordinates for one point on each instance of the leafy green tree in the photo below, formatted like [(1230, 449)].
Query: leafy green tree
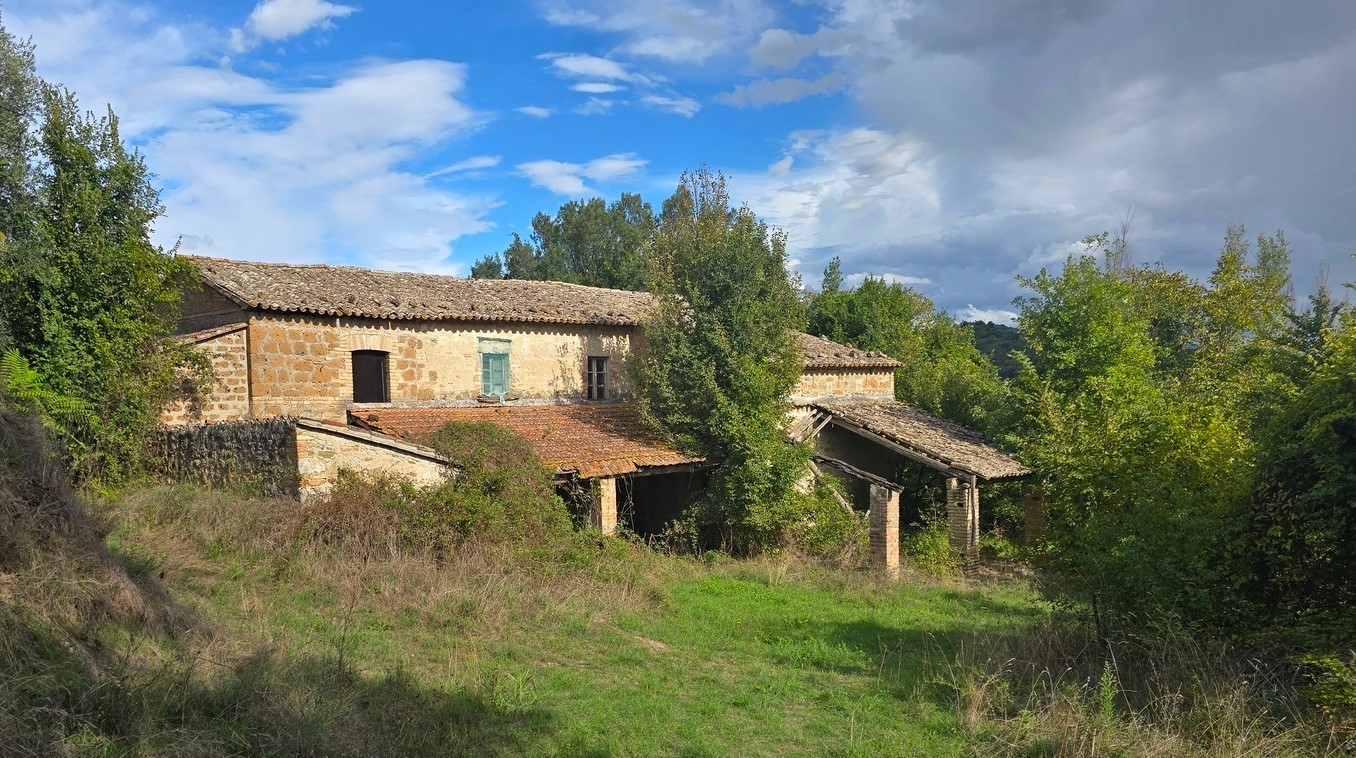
[(998, 342), (1302, 515), (586, 242), (942, 370), (1144, 479), (722, 358), (88, 301)]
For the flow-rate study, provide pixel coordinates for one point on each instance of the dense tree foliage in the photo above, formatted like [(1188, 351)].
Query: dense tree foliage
[(587, 242), (88, 301), (1191, 435), (943, 371), (998, 342), (723, 357)]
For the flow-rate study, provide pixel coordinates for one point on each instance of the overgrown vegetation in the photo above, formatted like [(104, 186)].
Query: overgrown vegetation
[(942, 371), (88, 301), (721, 359), (1175, 429), (586, 242)]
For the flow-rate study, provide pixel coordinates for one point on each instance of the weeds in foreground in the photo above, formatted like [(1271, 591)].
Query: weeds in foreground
[(1055, 688)]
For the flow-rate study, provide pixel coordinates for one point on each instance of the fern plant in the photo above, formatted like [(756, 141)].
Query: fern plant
[(21, 386)]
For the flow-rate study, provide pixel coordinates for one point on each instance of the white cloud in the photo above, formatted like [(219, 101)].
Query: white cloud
[(995, 315), (676, 31), (595, 106), (274, 20), (255, 169), (595, 88), (535, 111), (474, 163), (583, 66), (568, 178), (855, 280), (683, 106)]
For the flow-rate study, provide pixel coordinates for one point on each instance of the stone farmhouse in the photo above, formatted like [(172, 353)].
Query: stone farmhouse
[(363, 362)]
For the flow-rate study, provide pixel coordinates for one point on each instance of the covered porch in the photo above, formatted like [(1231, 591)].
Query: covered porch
[(631, 476), (863, 444)]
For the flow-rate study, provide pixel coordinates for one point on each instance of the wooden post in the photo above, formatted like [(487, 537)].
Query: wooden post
[(603, 504), (884, 517)]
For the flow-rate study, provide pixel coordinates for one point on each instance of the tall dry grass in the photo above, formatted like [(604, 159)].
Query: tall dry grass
[(1057, 688)]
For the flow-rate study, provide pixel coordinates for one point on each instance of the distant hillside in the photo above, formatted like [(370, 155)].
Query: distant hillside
[(997, 341)]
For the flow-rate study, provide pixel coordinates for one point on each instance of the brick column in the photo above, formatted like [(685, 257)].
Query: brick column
[(885, 529), (603, 505), (962, 516)]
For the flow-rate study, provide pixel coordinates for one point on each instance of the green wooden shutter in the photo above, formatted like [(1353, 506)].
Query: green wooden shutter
[(494, 373)]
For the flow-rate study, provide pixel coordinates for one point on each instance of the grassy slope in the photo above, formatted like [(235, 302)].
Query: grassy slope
[(621, 653)]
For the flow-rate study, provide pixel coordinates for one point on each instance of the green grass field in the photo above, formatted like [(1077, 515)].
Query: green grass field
[(621, 652)]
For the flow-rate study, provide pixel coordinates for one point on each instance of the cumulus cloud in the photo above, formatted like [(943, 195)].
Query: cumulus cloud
[(1030, 124), (993, 315), (274, 20), (256, 169), (568, 178)]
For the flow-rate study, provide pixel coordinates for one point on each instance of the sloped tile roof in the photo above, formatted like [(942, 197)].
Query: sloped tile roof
[(400, 295), (590, 440), (955, 445), (362, 292), (824, 353)]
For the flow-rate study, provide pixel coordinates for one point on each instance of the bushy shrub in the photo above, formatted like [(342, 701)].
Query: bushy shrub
[(927, 547), (501, 492)]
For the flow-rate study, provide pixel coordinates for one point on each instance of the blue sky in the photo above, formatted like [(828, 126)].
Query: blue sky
[(948, 144)]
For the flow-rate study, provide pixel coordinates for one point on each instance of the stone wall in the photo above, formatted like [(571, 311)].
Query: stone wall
[(323, 449), (228, 399), (865, 383), (256, 455), (301, 365)]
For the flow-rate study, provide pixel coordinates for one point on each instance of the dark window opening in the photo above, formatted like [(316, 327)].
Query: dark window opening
[(597, 377), (370, 377)]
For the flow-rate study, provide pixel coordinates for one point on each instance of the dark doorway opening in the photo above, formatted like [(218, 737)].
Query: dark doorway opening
[(371, 383)]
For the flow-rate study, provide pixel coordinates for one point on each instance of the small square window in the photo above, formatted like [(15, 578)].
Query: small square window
[(597, 377), (371, 382)]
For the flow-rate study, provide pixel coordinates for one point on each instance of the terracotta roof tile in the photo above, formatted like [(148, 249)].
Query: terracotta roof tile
[(955, 445), (368, 293), (591, 440), (823, 353)]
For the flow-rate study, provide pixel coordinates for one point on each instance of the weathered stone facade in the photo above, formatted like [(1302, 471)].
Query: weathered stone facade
[(323, 449), (302, 365), (229, 396), (864, 383)]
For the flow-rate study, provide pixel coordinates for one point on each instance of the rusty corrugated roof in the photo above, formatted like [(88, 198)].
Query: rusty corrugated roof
[(590, 440)]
